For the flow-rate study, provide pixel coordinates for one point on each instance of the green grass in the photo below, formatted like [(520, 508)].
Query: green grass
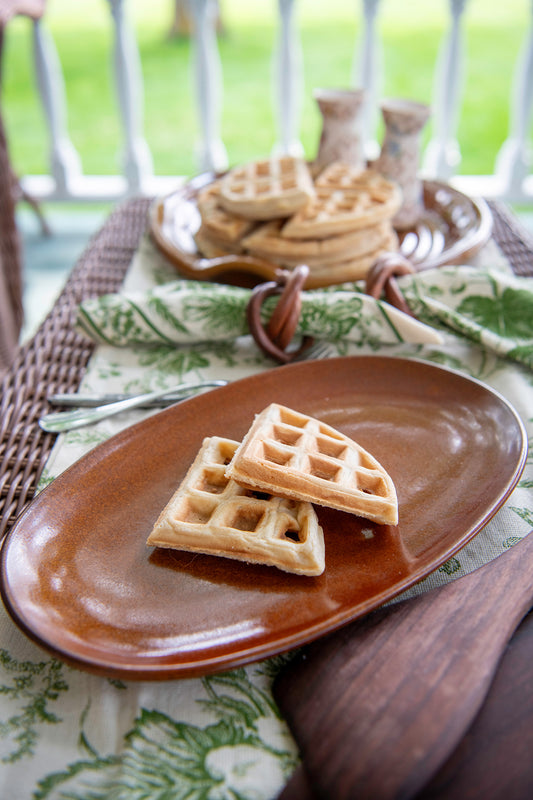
[(411, 35)]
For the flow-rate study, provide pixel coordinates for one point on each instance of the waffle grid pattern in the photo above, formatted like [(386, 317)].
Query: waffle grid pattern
[(345, 200), (277, 187), (209, 498), (212, 514), (307, 446), (341, 176), (223, 224)]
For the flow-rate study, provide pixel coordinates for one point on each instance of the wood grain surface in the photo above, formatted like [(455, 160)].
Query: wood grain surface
[(379, 707)]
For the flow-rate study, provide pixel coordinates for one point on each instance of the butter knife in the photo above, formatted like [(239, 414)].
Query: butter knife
[(69, 400)]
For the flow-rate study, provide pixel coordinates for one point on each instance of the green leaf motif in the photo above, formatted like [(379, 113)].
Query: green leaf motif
[(524, 513), (509, 314), (165, 759), (331, 321), (235, 699), (444, 359), (160, 308), (45, 480), (34, 685), (224, 313), (87, 437), (511, 541), (522, 353), (174, 360), (451, 566)]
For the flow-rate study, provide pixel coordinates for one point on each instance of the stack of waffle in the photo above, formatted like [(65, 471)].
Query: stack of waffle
[(253, 501), (336, 224)]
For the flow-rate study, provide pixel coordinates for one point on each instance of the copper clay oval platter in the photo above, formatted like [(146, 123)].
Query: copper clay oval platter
[(78, 578)]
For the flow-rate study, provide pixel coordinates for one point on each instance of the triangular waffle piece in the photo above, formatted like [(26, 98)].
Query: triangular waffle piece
[(339, 175), (211, 514), (219, 223), (297, 456), (212, 247), (345, 200), (263, 190)]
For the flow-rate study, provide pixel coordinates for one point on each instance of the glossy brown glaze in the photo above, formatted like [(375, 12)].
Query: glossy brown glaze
[(452, 228), (78, 578)]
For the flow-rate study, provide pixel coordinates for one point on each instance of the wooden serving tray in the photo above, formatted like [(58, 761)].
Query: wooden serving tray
[(452, 228)]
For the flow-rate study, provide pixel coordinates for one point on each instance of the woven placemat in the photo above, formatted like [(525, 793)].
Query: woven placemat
[(56, 358)]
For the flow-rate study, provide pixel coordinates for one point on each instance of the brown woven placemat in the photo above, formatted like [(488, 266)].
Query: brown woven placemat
[(515, 242), (56, 358)]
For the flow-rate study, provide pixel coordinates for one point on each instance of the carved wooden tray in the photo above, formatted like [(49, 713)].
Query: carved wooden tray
[(452, 228)]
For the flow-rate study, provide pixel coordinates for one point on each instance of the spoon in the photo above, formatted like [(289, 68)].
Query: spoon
[(70, 420), (377, 707)]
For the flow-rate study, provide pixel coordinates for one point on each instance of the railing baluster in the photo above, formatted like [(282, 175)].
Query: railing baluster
[(443, 155), (289, 81), (514, 159), (367, 73), (65, 163), (137, 159), (211, 152), (511, 179)]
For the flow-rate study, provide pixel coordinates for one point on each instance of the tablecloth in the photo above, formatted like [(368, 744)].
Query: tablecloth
[(65, 733)]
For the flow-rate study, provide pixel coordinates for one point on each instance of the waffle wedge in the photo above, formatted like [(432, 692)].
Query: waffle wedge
[(212, 247), (218, 223), (345, 200), (269, 189), (296, 456), (210, 513)]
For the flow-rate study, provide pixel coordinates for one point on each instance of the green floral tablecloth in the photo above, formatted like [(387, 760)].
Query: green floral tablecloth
[(67, 734)]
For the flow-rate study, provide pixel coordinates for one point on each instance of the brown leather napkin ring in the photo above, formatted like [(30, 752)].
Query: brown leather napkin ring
[(381, 278), (279, 332)]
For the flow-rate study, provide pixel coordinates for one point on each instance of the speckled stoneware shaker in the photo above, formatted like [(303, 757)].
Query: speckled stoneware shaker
[(340, 139), (399, 159)]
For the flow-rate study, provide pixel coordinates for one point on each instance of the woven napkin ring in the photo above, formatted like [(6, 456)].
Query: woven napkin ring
[(381, 278), (279, 332)]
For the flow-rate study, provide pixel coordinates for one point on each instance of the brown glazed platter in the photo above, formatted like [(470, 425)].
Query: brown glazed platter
[(452, 228), (78, 578)]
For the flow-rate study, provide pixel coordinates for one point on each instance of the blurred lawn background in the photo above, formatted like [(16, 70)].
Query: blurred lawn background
[(411, 33)]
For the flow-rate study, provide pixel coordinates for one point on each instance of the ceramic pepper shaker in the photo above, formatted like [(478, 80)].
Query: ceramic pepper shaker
[(340, 139), (399, 159)]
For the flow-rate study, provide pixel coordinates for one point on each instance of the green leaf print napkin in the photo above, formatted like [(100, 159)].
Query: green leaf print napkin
[(183, 312), (490, 307)]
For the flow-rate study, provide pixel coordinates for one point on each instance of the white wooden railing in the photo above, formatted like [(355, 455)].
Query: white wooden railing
[(510, 180)]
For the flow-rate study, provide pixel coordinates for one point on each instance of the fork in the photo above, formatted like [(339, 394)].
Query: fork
[(59, 422), (317, 350), (71, 420)]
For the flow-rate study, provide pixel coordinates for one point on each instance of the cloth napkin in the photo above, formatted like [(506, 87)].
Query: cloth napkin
[(490, 307), (183, 312)]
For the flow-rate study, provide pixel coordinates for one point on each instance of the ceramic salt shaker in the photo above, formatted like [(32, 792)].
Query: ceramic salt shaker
[(399, 159), (340, 139)]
